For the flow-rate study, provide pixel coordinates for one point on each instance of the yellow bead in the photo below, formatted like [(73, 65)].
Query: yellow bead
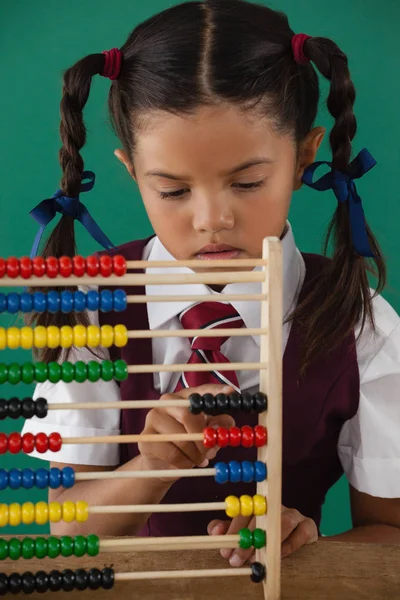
[(14, 514), (53, 336), (246, 506), (232, 506), (68, 511), (80, 336), (26, 338), (13, 338), (120, 336), (260, 505), (41, 513), (40, 336), (28, 513), (55, 512), (67, 336), (3, 338), (107, 336), (93, 336), (3, 515), (82, 511)]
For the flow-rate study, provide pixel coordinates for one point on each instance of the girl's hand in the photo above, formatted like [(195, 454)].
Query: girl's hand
[(181, 455), (297, 531)]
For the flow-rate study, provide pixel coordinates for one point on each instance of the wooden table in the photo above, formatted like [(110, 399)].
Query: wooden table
[(323, 571)]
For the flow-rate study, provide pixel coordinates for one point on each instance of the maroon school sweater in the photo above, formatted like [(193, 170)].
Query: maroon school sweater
[(314, 410)]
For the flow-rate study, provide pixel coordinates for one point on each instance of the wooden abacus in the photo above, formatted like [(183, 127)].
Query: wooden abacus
[(114, 271)]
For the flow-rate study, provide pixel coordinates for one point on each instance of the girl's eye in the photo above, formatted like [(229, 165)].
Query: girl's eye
[(174, 194), (249, 186)]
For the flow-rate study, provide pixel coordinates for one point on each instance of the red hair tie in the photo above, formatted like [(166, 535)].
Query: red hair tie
[(112, 63), (298, 42)]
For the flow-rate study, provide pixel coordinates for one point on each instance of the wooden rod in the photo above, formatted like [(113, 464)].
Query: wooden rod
[(200, 540), (191, 333), (175, 547), (120, 405), (194, 263), (156, 508), (252, 366), (188, 574), (90, 476), (144, 298), (136, 438)]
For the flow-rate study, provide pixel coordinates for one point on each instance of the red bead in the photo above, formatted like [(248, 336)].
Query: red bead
[(52, 266), (14, 443), (2, 267), (247, 436), (3, 443), (25, 265), (28, 443), (235, 437), (106, 265), (119, 265), (223, 437), (12, 266), (260, 436), (210, 437), (92, 265), (65, 265), (39, 266), (41, 443), (79, 265), (55, 442)]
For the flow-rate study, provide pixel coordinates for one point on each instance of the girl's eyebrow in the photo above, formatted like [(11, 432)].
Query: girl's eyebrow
[(246, 165)]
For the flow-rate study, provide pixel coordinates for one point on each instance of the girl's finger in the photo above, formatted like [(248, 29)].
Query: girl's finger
[(238, 556), (290, 519), (217, 527), (305, 533)]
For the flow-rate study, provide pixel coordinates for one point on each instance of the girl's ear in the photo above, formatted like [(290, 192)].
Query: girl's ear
[(308, 152), (124, 158)]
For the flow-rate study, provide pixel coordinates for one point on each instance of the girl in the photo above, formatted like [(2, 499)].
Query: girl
[(214, 103)]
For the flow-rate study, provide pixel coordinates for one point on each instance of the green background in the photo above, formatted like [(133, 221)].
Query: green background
[(38, 40)]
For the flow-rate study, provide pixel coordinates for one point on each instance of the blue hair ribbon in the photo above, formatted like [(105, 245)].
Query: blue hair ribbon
[(344, 188), (46, 210)]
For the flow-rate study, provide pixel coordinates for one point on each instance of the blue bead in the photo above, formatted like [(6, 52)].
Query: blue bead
[(3, 303), (28, 479), (42, 479), (13, 303), (92, 299), (3, 479), (14, 479), (235, 471), (68, 477), (260, 470), (120, 300), (39, 302), (79, 301), (67, 301), (53, 301), (26, 302), (247, 471), (106, 301), (55, 478), (222, 472)]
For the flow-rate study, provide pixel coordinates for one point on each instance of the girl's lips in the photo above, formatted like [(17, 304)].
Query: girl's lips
[(219, 255)]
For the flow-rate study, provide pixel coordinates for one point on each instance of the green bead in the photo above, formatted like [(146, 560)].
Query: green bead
[(28, 548), (259, 538), (120, 370), (41, 372), (40, 547), (94, 371), (53, 547), (14, 549), (67, 545), (54, 372), (14, 373), (67, 372), (80, 545), (3, 373), (93, 545), (28, 373), (245, 539), (80, 371), (4, 549), (107, 370)]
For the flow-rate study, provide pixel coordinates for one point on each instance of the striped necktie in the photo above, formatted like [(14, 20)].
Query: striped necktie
[(209, 315)]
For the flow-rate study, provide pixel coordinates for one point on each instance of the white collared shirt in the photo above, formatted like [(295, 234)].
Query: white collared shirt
[(369, 444)]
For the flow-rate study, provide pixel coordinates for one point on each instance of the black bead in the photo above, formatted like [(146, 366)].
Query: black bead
[(196, 404), (222, 404), (41, 408), (260, 402), (209, 404), (15, 583), (3, 409), (94, 579), (81, 579), (235, 402), (107, 578), (247, 403), (28, 408), (3, 584), (257, 572), (55, 581), (14, 408), (42, 581), (28, 582), (68, 580)]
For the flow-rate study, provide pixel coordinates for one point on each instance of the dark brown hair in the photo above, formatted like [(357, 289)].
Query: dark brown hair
[(234, 51)]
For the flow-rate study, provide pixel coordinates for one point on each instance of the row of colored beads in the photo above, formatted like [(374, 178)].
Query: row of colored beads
[(53, 478), (27, 443), (246, 506), (65, 336), (245, 436), (240, 472), (25, 408), (65, 266), (42, 512), (52, 547), (65, 301), (223, 404), (252, 539), (67, 372), (56, 581)]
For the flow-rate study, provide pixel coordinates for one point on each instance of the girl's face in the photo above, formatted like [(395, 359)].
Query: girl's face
[(217, 183)]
